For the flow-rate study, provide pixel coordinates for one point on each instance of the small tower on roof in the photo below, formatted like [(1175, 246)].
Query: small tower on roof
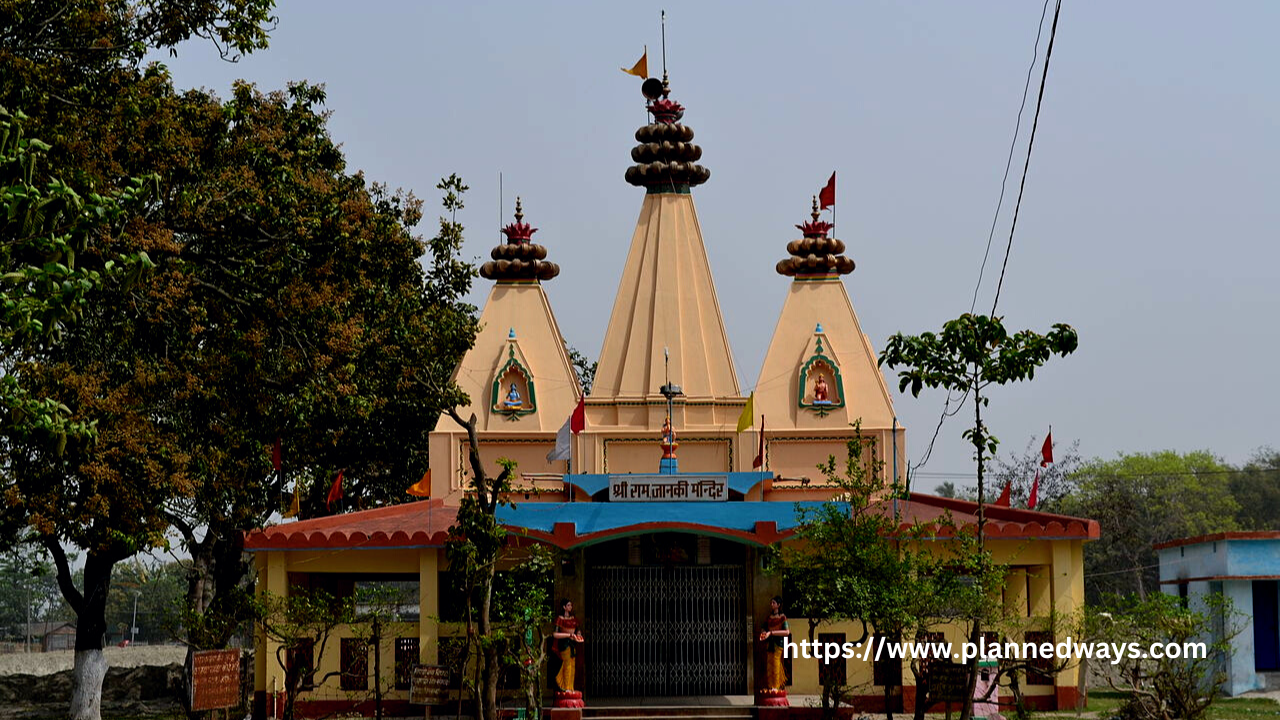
[(517, 375), (820, 372)]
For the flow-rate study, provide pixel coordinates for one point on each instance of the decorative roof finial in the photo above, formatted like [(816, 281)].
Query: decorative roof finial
[(519, 258), (815, 254)]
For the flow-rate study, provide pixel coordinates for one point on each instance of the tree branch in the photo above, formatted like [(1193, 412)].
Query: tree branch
[(65, 583)]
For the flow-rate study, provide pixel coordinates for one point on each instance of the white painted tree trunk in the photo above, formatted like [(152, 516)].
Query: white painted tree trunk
[(86, 688)]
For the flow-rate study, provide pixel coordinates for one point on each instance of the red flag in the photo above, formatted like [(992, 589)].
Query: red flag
[(827, 196), (335, 491), (1046, 452), (759, 461), (1035, 492), (578, 420), (275, 454), (1003, 500)]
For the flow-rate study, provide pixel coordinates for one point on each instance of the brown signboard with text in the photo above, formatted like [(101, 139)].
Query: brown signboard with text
[(429, 685), (215, 679)]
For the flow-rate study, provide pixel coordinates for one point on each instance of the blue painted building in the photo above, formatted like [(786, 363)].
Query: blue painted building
[(1245, 567)]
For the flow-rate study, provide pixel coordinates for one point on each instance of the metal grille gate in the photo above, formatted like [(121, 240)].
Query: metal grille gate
[(665, 631)]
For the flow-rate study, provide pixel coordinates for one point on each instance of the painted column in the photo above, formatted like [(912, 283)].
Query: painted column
[(428, 605), (1068, 594)]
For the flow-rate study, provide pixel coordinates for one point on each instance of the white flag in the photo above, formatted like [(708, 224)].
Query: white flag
[(564, 438)]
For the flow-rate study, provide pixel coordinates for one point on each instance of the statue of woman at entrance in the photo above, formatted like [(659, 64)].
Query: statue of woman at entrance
[(567, 636), (773, 635)]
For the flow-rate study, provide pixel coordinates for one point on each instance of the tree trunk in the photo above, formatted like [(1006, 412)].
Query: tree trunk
[(91, 626), (86, 688)]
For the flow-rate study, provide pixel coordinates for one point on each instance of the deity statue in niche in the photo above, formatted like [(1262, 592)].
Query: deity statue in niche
[(513, 398), (821, 392)]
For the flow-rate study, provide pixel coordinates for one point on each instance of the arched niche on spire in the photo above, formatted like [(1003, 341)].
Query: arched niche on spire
[(820, 385), (513, 393)]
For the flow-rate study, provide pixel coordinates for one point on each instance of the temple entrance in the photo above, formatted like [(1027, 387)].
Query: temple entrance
[(666, 630)]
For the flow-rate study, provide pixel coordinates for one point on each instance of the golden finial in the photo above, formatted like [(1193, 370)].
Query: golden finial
[(816, 212), (520, 210)]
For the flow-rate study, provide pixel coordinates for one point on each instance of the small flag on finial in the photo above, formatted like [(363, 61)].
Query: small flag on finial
[(641, 68), (827, 197)]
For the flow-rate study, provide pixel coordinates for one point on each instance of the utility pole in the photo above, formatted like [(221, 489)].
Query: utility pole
[(133, 626)]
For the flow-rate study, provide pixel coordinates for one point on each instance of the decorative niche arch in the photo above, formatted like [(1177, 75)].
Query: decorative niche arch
[(820, 387), (513, 394)]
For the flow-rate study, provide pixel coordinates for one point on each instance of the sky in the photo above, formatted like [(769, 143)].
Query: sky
[(1149, 220)]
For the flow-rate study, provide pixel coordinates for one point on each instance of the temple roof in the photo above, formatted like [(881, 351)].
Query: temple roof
[(425, 523)]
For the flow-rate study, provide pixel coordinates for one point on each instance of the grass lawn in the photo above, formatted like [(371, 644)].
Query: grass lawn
[(1102, 702)]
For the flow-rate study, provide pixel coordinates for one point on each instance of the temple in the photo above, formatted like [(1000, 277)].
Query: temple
[(661, 508)]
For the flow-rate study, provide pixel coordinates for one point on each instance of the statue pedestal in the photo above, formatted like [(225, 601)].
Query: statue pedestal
[(668, 466), (772, 698), (568, 699)]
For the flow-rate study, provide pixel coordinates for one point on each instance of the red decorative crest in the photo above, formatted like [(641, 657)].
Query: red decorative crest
[(815, 228), (666, 110)]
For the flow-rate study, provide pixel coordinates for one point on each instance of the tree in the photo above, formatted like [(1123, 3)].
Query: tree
[(287, 303), (842, 560), (1018, 470), (48, 235), (301, 623), (584, 368), (1159, 688), (474, 548), (1256, 488), (28, 591), (972, 353), (946, 490), (1141, 499), (147, 594)]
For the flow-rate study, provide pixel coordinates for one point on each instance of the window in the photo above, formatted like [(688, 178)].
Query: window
[(301, 664), (886, 671), (406, 658), (355, 664), (1041, 672), (832, 671)]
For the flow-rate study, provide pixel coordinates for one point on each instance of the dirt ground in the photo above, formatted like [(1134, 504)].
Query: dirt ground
[(52, 662)]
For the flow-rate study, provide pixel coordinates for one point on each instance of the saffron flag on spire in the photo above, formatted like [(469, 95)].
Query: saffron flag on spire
[(827, 196), (335, 490), (422, 488), (759, 461), (1003, 500), (748, 413), (641, 68), (1035, 492), (1046, 452)]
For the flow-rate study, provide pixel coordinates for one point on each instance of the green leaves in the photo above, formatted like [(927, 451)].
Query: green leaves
[(971, 352)]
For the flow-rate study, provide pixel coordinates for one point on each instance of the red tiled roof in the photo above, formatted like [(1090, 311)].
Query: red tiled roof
[(418, 524), (1002, 522)]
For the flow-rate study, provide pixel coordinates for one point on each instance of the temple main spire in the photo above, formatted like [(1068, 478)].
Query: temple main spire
[(666, 297)]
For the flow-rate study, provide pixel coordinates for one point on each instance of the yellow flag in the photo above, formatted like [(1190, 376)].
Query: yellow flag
[(422, 488), (641, 68), (294, 507), (747, 418)]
